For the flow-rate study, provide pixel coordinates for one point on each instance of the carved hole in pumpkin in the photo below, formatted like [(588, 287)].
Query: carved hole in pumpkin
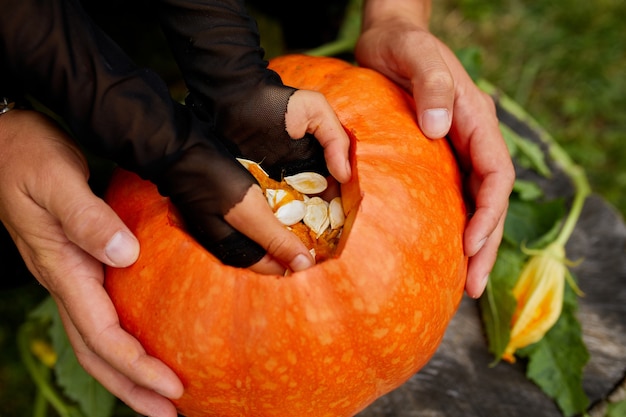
[(350, 194), (281, 194), (351, 197)]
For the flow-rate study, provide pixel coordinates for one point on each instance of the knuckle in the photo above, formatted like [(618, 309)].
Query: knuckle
[(97, 341), (437, 80), (489, 101), (510, 175), (83, 218), (280, 246), (276, 245)]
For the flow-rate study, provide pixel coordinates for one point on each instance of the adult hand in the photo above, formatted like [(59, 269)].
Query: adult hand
[(64, 233), (395, 41)]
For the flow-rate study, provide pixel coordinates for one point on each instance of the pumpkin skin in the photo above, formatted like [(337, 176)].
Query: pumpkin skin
[(326, 341)]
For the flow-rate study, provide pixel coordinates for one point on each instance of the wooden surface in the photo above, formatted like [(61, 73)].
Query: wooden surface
[(458, 381)]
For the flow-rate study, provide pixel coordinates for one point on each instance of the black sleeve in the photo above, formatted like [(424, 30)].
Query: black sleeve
[(216, 44), (52, 50)]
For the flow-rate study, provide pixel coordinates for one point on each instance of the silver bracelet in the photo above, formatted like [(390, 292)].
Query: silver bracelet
[(6, 105)]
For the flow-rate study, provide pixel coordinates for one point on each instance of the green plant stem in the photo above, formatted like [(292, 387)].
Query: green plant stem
[(40, 408), (335, 47), (581, 185), (348, 33), (40, 378), (559, 156), (582, 192)]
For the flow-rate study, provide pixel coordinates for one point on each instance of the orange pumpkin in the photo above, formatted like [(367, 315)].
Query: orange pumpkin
[(330, 340)]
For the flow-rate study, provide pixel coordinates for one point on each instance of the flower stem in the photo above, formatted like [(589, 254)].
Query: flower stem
[(335, 47), (39, 376), (40, 405), (558, 155), (347, 35), (582, 191), (581, 186)]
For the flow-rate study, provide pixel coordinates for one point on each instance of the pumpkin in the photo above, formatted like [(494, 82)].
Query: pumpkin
[(326, 341)]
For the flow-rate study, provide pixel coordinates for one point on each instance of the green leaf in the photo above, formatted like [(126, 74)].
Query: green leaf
[(92, 398), (556, 362), (529, 154), (497, 305), (527, 190), (528, 222), (472, 60), (617, 409), (46, 311)]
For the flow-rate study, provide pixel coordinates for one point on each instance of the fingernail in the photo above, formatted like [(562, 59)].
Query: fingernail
[(481, 288), (122, 249), (348, 169), (480, 245), (436, 123), (300, 262)]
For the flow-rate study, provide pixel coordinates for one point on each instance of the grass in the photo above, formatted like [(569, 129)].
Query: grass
[(562, 61)]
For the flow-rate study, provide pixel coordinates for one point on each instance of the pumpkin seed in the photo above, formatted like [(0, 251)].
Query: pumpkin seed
[(307, 182), (276, 197), (291, 213), (335, 213), (248, 163), (316, 216), (291, 202)]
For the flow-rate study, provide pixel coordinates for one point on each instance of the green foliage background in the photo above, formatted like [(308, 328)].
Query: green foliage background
[(562, 61)]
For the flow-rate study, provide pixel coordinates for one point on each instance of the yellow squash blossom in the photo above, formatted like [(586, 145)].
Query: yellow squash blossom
[(44, 352), (540, 287), (539, 294)]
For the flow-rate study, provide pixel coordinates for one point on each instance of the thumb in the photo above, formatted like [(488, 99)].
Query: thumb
[(92, 224), (433, 91), (309, 112)]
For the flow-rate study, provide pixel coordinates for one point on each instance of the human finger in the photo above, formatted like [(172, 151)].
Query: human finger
[(490, 191), (309, 112), (480, 265), (433, 85), (413, 58), (253, 217), (92, 224), (142, 400), (93, 315), (483, 154), (490, 204), (59, 186)]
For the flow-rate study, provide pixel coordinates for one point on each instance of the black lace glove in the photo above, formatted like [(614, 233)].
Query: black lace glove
[(52, 50), (216, 45)]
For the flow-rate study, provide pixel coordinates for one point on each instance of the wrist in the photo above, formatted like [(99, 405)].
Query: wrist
[(404, 12)]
